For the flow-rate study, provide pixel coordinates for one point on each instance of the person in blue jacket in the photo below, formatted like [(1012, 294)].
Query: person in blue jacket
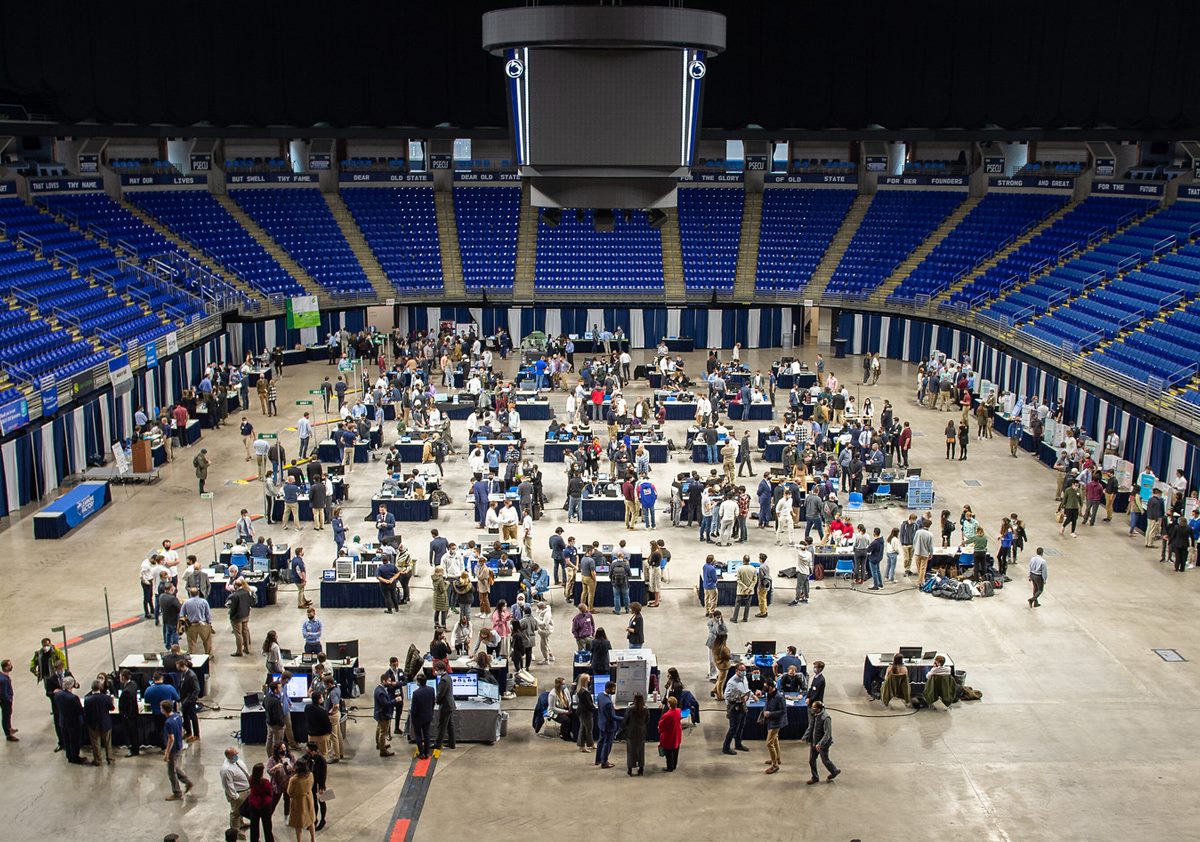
[(480, 490), (765, 492), (339, 530), (539, 580), (647, 495)]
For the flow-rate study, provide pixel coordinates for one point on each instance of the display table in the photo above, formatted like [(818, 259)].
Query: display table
[(804, 380), (680, 410), (727, 591), (264, 591), (874, 668), (298, 356), (304, 506), (534, 410), (404, 508), (410, 451), (351, 593), (463, 663), (345, 673), (143, 670), (254, 723), (71, 509), (252, 376), (554, 451), (149, 730), (191, 432), (679, 344), (604, 508), (797, 720), (475, 721), (604, 593), (762, 411)]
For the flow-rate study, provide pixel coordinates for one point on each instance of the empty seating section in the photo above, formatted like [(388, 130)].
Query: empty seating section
[(198, 218), (1053, 168), (1090, 220), (798, 225), (895, 224), (710, 226), (142, 166), (22, 221), (574, 256), (936, 167), (302, 224), (1135, 245), (111, 221), (990, 226), (487, 220), (400, 226), (245, 165), (823, 165), (1167, 350)]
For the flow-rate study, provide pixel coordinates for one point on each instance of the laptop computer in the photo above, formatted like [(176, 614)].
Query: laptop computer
[(929, 656), (285, 654)]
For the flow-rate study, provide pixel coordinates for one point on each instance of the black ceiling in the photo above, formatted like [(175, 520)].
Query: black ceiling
[(789, 64)]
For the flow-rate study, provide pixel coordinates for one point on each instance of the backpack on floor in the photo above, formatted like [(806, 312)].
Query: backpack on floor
[(928, 585), (818, 572)]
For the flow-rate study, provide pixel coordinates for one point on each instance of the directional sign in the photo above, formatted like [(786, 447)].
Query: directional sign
[(207, 495), (314, 391), (303, 403), (267, 436)]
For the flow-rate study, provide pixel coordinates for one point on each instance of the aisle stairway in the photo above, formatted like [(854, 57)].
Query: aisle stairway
[(526, 249), (837, 248), (358, 245), (1005, 252), (922, 251), (192, 252), (272, 248), (674, 286), (747, 263), (447, 228)]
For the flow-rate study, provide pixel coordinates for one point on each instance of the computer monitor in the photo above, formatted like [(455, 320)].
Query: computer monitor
[(488, 690), (297, 688), (762, 647), (929, 656), (340, 650), (464, 685), (911, 653), (285, 654)]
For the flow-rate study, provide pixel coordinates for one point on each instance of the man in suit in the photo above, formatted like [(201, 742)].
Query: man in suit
[(816, 690), (6, 701), (97, 715), (385, 706), (70, 719), (385, 522), (445, 701), (606, 725), (127, 706), (401, 680), (420, 715)]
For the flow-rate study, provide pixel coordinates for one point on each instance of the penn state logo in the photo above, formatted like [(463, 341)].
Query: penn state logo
[(697, 69), (514, 68)]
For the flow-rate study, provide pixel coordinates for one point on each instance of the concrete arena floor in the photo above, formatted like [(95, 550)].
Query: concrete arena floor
[(1083, 732)]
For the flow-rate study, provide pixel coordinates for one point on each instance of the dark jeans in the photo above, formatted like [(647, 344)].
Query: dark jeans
[(261, 817), (672, 755), (191, 722), (733, 736), (823, 752), (816, 524), (860, 566), (389, 596), (743, 605), (403, 581), (131, 733), (604, 741), (148, 600), (6, 717)]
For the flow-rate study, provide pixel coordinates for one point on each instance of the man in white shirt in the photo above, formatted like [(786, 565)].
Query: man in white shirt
[(804, 561), (728, 511), (1038, 576), (514, 420), (626, 360), (235, 781), (508, 521), (527, 535), (1112, 443), (149, 575), (304, 429), (452, 563), (170, 559)]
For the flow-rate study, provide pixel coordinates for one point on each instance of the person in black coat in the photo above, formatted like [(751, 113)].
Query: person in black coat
[(127, 706), (97, 716), (420, 716), (816, 690), (320, 770), (189, 694), (445, 701), (70, 719)]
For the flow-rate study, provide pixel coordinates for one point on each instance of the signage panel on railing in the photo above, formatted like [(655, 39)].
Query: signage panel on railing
[(1038, 182), (200, 162), (320, 161), (1128, 188), (993, 165), (89, 164), (487, 176), (1189, 191), (876, 163), (712, 178), (167, 179), (59, 185), (273, 178), (926, 180), (13, 416), (440, 161), (383, 177), (1106, 167), (756, 163), (811, 178), (8, 188)]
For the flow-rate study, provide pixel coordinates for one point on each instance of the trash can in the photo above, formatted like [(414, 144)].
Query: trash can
[(839, 348), (272, 592)]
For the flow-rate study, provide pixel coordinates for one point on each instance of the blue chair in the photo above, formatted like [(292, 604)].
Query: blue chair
[(845, 568), (883, 492), (855, 501)]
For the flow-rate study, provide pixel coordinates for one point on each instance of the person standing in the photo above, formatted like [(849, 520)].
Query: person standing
[(173, 746), (189, 696), (303, 814), (716, 628), (247, 431), (6, 701), (819, 737), (606, 725), (385, 706), (774, 717), (235, 783), (635, 719), (70, 719), (128, 707), (804, 565), (196, 612), (97, 716), (1072, 502), (816, 690), (743, 456), (747, 579), (239, 605), (201, 464), (737, 693), (300, 576), (1037, 576), (670, 733), (922, 550), (420, 717), (635, 632), (708, 584), (874, 558), (763, 584), (445, 703), (304, 429), (1155, 512), (320, 773), (261, 804)]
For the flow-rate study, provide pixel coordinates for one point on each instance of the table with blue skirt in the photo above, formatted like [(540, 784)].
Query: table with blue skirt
[(191, 432), (404, 508), (410, 451), (218, 594), (327, 451), (797, 721), (534, 410), (700, 453), (555, 451), (680, 410), (318, 352), (727, 591), (604, 508), (255, 373), (457, 411), (604, 593), (679, 344), (758, 412), (159, 454), (804, 380), (71, 509), (254, 724), (304, 508)]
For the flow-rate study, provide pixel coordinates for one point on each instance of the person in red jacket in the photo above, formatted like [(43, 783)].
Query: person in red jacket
[(905, 443), (670, 733)]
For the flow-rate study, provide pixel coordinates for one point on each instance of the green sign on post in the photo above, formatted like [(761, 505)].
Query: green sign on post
[(303, 403), (207, 495), (314, 391), (345, 365), (268, 436)]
